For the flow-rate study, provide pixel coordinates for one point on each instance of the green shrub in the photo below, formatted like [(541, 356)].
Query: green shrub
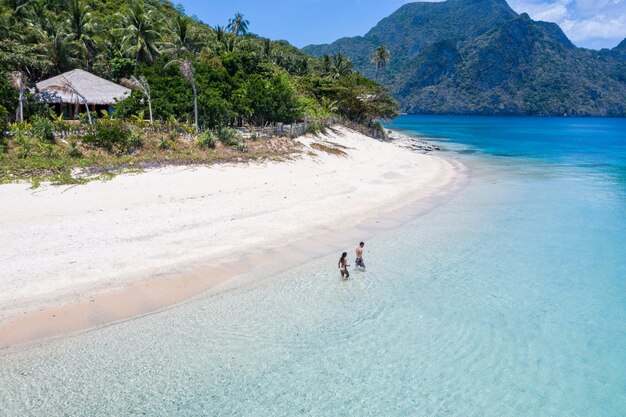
[(378, 130), (315, 126), (74, 152), (134, 141), (229, 136), (61, 125), (83, 118), (24, 148), (206, 140), (113, 135), (129, 106), (165, 143), (42, 128), (47, 150)]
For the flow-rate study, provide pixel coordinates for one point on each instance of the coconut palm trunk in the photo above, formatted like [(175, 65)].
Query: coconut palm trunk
[(21, 106), (67, 86), (150, 110), (19, 81), (140, 84), (186, 70), (88, 112), (195, 103)]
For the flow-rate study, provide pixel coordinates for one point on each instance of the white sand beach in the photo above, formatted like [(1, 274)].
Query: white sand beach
[(181, 230)]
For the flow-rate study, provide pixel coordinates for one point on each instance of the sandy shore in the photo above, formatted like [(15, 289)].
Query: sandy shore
[(73, 258)]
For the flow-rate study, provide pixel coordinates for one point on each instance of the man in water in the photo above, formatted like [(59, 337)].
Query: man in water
[(359, 257)]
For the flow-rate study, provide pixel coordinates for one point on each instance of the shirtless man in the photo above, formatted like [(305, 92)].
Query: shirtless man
[(359, 257)]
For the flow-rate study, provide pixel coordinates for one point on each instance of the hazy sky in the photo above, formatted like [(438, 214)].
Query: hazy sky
[(588, 23)]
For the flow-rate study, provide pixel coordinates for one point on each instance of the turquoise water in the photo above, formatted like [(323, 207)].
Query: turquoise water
[(509, 300)]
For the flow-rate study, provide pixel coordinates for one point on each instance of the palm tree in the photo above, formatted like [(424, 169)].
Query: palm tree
[(238, 25), (380, 57), (304, 66), (5, 27), (20, 82), (62, 48), (18, 10), (63, 52), (140, 84), (267, 47), (340, 66), (141, 36), (186, 70), (40, 18), (327, 66), (81, 28), (184, 38)]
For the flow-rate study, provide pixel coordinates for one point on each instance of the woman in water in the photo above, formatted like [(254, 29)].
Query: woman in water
[(343, 266)]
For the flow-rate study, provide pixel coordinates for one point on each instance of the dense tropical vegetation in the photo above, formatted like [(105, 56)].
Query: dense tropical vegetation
[(181, 71)]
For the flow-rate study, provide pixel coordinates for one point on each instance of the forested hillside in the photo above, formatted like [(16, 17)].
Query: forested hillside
[(240, 77), (481, 57)]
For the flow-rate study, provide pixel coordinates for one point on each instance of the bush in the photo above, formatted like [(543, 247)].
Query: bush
[(316, 126), (134, 141), (113, 135), (206, 140), (129, 106), (42, 128), (228, 136), (48, 150), (61, 125), (24, 148), (378, 130), (74, 152), (83, 118), (165, 143)]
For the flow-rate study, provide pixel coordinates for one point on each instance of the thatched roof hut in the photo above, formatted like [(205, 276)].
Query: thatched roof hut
[(73, 89)]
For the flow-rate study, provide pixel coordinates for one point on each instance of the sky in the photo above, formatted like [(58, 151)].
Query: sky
[(592, 24)]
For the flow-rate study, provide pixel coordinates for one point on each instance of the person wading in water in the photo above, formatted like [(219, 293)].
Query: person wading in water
[(343, 266), (359, 263)]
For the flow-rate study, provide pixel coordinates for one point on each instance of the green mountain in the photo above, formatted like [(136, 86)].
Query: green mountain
[(481, 57)]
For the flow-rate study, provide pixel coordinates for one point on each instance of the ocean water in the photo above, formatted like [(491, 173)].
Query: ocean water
[(508, 300)]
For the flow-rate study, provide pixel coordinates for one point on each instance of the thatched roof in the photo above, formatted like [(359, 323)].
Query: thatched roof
[(70, 86)]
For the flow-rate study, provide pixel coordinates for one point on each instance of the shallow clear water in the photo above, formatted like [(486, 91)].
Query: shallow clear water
[(509, 300)]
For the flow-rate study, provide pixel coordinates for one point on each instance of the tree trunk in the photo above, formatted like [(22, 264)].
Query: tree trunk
[(195, 104), (21, 106), (150, 109), (88, 113)]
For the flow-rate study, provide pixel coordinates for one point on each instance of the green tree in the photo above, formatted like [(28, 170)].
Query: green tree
[(380, 57), (186, 70), (141, 85), (81, 28), (340, 66), (184, 37), (141, 36), (20, 83), (238, 25)]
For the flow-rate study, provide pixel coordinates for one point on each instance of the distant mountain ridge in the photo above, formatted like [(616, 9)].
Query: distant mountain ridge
[(481, 57)]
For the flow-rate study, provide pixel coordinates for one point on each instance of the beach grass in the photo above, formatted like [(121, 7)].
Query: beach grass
[(73, 161)]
